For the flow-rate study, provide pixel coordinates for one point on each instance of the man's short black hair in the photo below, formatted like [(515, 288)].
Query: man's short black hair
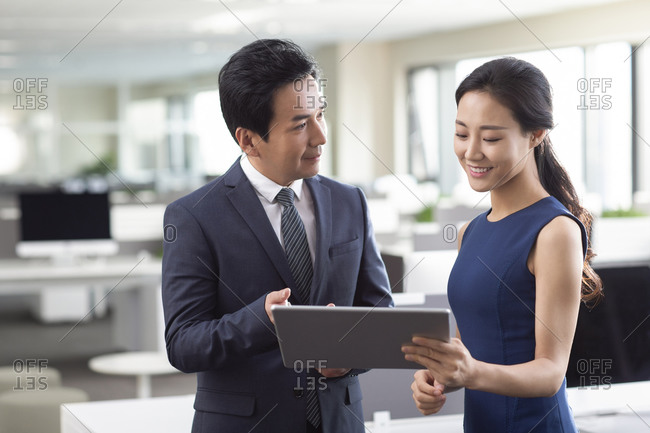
[(248, 82)]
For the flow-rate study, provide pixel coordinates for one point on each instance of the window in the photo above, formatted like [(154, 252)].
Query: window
[(424, 161), (607, 92), (641, 132), (217, 148), (146, 121), (592, 107), (178, 139)]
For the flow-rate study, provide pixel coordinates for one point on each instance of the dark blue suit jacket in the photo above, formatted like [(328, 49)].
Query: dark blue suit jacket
[(221, 258)]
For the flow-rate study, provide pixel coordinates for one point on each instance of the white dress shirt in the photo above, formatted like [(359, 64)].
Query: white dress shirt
[(266, 191)]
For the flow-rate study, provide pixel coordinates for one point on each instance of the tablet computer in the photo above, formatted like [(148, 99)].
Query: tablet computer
[(354, 337)]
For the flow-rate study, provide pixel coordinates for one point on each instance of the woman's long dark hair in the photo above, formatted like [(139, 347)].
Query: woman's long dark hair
[(524, 89)]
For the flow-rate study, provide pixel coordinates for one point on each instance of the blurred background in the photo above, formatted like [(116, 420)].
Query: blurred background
[(109, 110)]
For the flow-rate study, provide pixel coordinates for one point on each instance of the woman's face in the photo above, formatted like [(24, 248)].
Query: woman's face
[(489, 143)]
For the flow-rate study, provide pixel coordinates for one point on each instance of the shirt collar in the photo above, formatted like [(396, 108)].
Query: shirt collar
[(265, 186)]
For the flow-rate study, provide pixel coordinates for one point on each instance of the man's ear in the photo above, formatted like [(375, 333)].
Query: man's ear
[(247, 140)]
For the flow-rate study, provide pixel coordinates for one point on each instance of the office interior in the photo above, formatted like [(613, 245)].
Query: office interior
[(121, 99)]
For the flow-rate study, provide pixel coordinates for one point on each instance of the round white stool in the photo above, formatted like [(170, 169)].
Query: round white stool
[(143, 365)]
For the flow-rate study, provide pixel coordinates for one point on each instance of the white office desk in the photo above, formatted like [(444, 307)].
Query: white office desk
[(175, 415), (610, 399), (132, 285), (619, 408), (160, 415), (30, 276), (429, 424)]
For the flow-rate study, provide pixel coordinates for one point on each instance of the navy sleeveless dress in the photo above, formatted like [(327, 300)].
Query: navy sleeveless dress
[(492, 294)]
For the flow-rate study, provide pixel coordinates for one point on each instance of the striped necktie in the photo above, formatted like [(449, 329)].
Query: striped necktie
[(295, 244), (297, 250)]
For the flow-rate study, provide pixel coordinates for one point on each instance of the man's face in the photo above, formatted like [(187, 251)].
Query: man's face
[(296, 133)]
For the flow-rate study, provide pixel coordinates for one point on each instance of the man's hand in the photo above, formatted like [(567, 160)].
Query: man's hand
[(276, 298), (333, 372)]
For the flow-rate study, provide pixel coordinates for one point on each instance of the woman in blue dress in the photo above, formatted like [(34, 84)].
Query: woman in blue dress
[(522, 267)]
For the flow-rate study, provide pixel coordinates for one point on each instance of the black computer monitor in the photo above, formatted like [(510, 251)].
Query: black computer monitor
[(58, 224), (612, 341)]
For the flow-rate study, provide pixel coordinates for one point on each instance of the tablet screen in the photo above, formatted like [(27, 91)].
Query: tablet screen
[(354, 337)]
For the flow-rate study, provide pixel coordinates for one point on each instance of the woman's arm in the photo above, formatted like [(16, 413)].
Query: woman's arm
[(556, 261)]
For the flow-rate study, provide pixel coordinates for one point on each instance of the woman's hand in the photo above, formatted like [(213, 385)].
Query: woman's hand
[(450, 363), (428, 394)]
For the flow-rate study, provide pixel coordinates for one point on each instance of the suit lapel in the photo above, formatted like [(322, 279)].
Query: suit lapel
[(323, 211), (243, 197)]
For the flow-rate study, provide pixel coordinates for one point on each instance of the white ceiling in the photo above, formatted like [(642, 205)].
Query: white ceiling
[(100, 40)]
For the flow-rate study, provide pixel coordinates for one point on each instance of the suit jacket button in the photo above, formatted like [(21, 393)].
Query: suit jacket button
[(297, 392)]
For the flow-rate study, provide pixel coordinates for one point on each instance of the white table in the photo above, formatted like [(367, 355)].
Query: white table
[(618, 398), (160, 415), (21, 276), (132, 283), (143, 365), (175, 415), (619, 408), (429, 424)]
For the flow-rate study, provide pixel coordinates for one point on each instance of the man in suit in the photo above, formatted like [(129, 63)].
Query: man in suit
[(225, 264)]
